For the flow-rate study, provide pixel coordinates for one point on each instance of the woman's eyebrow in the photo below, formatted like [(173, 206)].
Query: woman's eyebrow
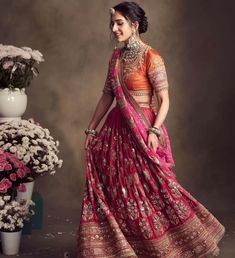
[(118, 20)]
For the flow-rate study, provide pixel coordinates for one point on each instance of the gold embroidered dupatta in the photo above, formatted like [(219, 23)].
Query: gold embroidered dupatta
[(133, 114)]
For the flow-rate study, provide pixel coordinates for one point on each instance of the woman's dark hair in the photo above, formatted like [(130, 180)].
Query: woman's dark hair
[(133, 12)]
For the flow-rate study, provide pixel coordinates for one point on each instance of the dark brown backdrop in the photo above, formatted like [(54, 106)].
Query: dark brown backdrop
[(197, 42)]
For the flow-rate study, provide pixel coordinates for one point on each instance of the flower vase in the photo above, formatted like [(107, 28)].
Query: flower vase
[(10, 242), (13, 103), (27, 195)]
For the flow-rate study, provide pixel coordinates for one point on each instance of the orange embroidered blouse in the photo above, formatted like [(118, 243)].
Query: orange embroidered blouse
[(146, 73)]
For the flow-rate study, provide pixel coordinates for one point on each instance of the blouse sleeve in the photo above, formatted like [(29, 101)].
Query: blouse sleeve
[(156, 70), (107, 85)]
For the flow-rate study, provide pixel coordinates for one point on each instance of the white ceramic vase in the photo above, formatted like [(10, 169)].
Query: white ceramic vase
[(11, 242), (27, 195), (13, 104)]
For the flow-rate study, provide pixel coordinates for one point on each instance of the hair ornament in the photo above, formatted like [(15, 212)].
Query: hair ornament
[(111, 10)]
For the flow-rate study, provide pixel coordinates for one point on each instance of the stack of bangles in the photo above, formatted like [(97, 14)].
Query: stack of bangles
[(155, 130), (91, 132)]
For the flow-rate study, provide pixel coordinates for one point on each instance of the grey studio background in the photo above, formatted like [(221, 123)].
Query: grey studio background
[(196, 40)]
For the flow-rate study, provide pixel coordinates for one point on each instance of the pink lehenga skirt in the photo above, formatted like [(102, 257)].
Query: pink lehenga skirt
[(132, 209)]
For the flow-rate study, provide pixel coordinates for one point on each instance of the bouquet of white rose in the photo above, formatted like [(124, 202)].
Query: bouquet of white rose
[(14, 213), (17, 66), (32, 144)]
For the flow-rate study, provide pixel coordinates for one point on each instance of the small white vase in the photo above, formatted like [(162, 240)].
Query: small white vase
[(13, 104), (27, 195), (11, 242)]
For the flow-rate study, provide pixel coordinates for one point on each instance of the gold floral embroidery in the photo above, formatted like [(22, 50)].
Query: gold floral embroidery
[(196, 237), (128, 67), (157, 201), (87, 211), (145, 228), (132, 209), (160, 223), (157, 74)]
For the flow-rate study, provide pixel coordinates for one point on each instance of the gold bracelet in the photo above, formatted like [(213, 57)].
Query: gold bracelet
[(155, 130), (91, 132)]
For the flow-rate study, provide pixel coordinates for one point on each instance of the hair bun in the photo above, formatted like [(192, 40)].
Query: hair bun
[(133, 12), (143, 25)]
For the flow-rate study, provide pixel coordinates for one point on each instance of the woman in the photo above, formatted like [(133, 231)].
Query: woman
[(133, 205)]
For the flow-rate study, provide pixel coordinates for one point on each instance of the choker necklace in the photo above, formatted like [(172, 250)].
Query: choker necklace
[(131, 49)]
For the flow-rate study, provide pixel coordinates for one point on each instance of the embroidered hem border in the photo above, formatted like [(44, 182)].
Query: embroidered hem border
[(197, 237)]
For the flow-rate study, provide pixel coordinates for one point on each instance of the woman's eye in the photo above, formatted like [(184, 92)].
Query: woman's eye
[(120, 23)]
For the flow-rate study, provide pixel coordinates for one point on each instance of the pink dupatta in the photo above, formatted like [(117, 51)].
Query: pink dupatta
[(135, 118)]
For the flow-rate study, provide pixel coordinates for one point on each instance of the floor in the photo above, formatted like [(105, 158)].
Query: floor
[(58, 239)]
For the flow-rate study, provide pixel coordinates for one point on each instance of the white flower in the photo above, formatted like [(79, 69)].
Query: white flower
[(26, 159), (60, 163), (34, 141), (6, 197), (35, 54), (25, 139), (20, 155), (13, 149), (27, 144), (22, 149), (7, 145), (44, 167), (7, 64)]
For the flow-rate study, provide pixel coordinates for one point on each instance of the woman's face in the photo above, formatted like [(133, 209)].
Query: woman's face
[(120, 27)]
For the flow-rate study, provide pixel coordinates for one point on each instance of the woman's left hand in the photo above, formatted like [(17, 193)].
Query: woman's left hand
[(153, 141)]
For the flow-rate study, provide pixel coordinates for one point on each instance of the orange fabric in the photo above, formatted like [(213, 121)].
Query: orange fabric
[(138, 79), (148, 74)]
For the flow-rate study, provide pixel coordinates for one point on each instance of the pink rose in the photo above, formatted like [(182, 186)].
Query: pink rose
[(21, 172), (2, 157), (5, 184), (22, 188), (8, 167), (13, 177), (2, 166), (17, 163)]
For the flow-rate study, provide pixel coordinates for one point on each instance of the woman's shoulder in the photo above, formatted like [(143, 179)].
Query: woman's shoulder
[(152, 52), (153, 58)]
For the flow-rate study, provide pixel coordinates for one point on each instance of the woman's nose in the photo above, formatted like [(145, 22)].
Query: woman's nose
[(114, 27)]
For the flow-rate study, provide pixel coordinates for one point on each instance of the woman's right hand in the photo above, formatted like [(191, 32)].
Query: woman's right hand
[(88, 140)]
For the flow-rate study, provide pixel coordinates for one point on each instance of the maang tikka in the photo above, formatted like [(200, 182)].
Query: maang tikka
[(111, 10)]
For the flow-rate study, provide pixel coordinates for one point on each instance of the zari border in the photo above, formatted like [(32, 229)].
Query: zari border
[(197, 237)]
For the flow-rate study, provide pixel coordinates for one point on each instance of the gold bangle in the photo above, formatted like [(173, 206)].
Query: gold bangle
[(155, 131), (91, 132)]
